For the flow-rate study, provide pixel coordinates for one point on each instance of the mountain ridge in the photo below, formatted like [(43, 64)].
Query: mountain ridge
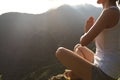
[(29, 41)]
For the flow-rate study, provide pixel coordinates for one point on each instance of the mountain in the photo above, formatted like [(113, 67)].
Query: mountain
[(28, 41)]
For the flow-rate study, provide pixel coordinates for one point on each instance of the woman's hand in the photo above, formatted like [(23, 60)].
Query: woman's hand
[(89, 23)]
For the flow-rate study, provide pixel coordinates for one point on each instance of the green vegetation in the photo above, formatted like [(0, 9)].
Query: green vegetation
[(45, 73), (0, 77)]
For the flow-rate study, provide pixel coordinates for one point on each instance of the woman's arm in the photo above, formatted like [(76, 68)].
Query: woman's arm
[(108, 19)]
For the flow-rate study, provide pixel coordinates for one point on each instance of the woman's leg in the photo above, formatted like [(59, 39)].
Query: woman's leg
[(80, 66), (84, 52)]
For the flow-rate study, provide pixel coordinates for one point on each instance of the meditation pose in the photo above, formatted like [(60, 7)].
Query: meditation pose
[(104, 64)]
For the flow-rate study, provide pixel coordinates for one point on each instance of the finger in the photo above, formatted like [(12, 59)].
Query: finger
[(91, 19)]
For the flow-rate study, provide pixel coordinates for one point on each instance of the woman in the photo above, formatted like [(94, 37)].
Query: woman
[(105, 31)]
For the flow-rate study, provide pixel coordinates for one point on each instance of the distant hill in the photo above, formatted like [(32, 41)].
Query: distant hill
[(28, 42)]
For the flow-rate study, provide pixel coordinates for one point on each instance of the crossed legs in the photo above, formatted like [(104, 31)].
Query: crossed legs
[(79, 61)]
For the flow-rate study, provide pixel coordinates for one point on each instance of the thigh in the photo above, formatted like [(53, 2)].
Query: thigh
[(80, 66)]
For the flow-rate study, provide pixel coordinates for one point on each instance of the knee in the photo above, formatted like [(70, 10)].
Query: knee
[(81, 47), (60, 51)]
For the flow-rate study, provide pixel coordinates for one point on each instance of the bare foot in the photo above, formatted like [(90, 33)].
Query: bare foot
[(89, 23)]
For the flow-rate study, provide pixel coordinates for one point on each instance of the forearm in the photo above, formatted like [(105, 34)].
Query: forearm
[(83, 40)]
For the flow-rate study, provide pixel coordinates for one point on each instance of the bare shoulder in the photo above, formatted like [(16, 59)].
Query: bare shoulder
[(111, 16), (112, 11)]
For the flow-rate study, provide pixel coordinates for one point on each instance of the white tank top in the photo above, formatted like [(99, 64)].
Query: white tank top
[(107, 55)]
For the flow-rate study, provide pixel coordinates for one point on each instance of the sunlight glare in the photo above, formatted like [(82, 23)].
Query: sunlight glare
[(27, 6), (35, 6), (73, 2)]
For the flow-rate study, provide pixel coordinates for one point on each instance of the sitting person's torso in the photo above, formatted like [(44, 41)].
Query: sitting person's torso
[(107, 55)]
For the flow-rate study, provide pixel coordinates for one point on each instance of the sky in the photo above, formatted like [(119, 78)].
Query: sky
[(37, 6)]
